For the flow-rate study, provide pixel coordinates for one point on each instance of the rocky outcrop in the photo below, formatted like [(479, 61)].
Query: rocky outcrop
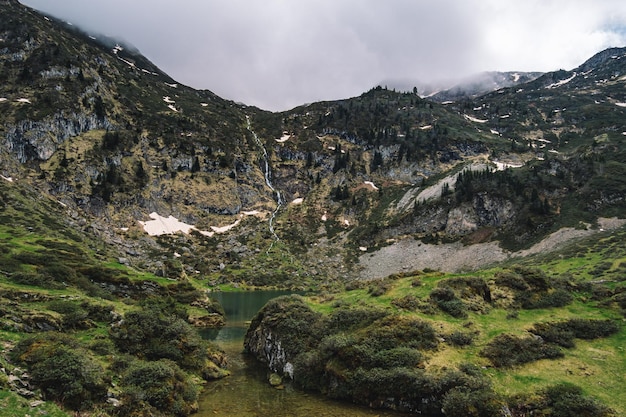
[(268, 348), (281, 331), (38, 140), (484, 210)]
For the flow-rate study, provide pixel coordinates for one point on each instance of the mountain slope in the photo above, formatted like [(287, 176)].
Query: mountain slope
[(101, 129)]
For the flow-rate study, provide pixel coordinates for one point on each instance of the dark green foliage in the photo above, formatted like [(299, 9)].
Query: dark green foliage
[(533, 289), (507, 350), (466, 402), (353, 317), (446, 300), (62, 370), (556, 298), (74, 317), (408, 302), (378, 288), (290, 317), (458, 338), (160, 331), (562, 400), (563, 333), (159, 387)]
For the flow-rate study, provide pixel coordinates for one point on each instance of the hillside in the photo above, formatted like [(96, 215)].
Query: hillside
[(124, 194)]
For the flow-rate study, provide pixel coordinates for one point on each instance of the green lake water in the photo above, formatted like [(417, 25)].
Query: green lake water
[(247, 392)]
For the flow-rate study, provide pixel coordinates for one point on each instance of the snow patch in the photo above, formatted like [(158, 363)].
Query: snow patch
[(324, 217), (172, 85), (23, 100), (160, 225), (473, 119), (501, 166), (130, 64), (562, 82), (284, 138), (495, 132), (204, 104), (171, 107), (298, 201), (168, 100), (226, 228), (9, 179), (425, 127), (362, 248), (620, 104), (3, 99), (371, 185)]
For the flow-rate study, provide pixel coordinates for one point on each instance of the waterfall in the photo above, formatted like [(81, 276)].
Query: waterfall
[(268, 181)]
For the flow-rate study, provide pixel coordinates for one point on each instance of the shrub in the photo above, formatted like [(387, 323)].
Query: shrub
[(378, 288), (464, 402), (160, 331), (159, 386), (348, 317), (63, 371), (458, 338), (562, 400), (408, 302), (74, 317), (446, 300), (507, 350), (563, 333)]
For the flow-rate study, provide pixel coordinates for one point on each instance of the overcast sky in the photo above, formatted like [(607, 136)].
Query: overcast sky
[(277, 54)]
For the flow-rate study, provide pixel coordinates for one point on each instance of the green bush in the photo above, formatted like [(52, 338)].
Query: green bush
[(458, 338), (74, 317), (62, 370), (563, 333), (408, 302), (464, 402), (446, 300), (556, 298), (507, 350), (160, 331), (561, 400), (565, 400), (159, 387), (353, 317)]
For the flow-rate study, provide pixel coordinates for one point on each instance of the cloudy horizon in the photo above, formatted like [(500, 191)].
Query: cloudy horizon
[(279, 54)]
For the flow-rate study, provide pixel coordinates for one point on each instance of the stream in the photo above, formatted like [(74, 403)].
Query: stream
[(268, 179), (247, 392)]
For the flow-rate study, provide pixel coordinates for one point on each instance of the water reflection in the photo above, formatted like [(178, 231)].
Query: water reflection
[(247, 392)]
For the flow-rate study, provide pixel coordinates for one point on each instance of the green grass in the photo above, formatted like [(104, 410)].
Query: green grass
[(597, 366), (12, 405)]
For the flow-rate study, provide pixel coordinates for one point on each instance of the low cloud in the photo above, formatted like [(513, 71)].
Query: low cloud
[(279, 54)]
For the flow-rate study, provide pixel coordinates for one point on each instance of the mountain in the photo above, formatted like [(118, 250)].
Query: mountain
[(468, 87), (104, 131), (118, 184)]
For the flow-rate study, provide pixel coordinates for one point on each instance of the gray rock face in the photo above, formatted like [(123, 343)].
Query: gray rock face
[(483, 211), (38, 140), (267, 348)]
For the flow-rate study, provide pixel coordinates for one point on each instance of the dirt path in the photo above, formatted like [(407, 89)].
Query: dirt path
[(411, 255)]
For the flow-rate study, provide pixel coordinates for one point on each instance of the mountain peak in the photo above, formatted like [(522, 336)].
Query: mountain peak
[(602, 58)]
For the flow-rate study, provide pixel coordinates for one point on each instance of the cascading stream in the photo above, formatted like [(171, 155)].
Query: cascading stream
[(268, 181)]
